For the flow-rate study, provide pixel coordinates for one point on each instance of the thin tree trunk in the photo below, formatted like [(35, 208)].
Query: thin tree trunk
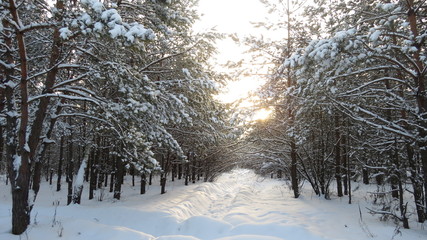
[(132, 172), (163, 184), (47, 167), (173, 172), (105, 180), (51, 176), (187, 173), (344, 165), (101, 163), (338, 157), (163, 175), (93, 172), (403, 207), (2, 104), (38, 159), (365, 175), (396, 172), (193, 170), (143, 183), (78, 185), (394, 181), (290, 81), (118, 178), (70, 169), (61, 160), (417, 184), (108, 162), (349, 176), (112, 179), (179, 171), (323, 168)]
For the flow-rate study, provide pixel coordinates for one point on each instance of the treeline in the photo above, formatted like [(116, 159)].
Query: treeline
[(92, 90), (348, 92)]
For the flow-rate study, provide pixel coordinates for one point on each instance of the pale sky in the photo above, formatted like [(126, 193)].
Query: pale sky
[(232, 16)]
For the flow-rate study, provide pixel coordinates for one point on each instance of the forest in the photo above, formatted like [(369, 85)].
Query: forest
[(93, 91)]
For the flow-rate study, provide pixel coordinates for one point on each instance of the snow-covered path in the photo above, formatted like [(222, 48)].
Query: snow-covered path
[(239, 206)]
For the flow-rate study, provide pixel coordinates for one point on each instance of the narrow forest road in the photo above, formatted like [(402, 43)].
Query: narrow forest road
[(247, 206), (240, 205)]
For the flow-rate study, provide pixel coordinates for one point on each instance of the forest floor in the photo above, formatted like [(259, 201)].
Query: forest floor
[(239, 205)]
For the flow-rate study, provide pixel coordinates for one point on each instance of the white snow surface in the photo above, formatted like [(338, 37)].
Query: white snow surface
[(240, 205)]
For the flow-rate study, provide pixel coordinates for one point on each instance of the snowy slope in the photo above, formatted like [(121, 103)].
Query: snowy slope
[(238, 206)]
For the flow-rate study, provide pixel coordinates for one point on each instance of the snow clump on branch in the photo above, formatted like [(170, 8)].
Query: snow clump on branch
[(97, 19)]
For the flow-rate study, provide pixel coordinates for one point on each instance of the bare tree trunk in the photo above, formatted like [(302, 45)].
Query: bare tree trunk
[(163, 175), (143, 183), (70, 169), (348, 171), (101, 163), (16, 138), (338, 157), (393, 179), (173, 172), (93, 172), (38, 159), (132, 173), (1, 137), (118, 178), (163, 184), (179, 171), (61, 160), (41, 112), (403, 207), (294, 170), (51, 176), (344, 165), (365, 175), (187, 173), (112, 179), (78, 185), (396, 172), (193, 170), (47, 167), (416, 180), (2, 104), (105, 180)]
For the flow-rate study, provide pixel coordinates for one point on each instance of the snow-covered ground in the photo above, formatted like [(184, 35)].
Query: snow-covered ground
[(239, 206)]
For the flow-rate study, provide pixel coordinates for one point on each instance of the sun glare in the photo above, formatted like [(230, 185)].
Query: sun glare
[(262, 114), (235, 17), (238, 90)]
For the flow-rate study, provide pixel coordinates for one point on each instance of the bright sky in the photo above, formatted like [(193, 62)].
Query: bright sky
[(232, 16)]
